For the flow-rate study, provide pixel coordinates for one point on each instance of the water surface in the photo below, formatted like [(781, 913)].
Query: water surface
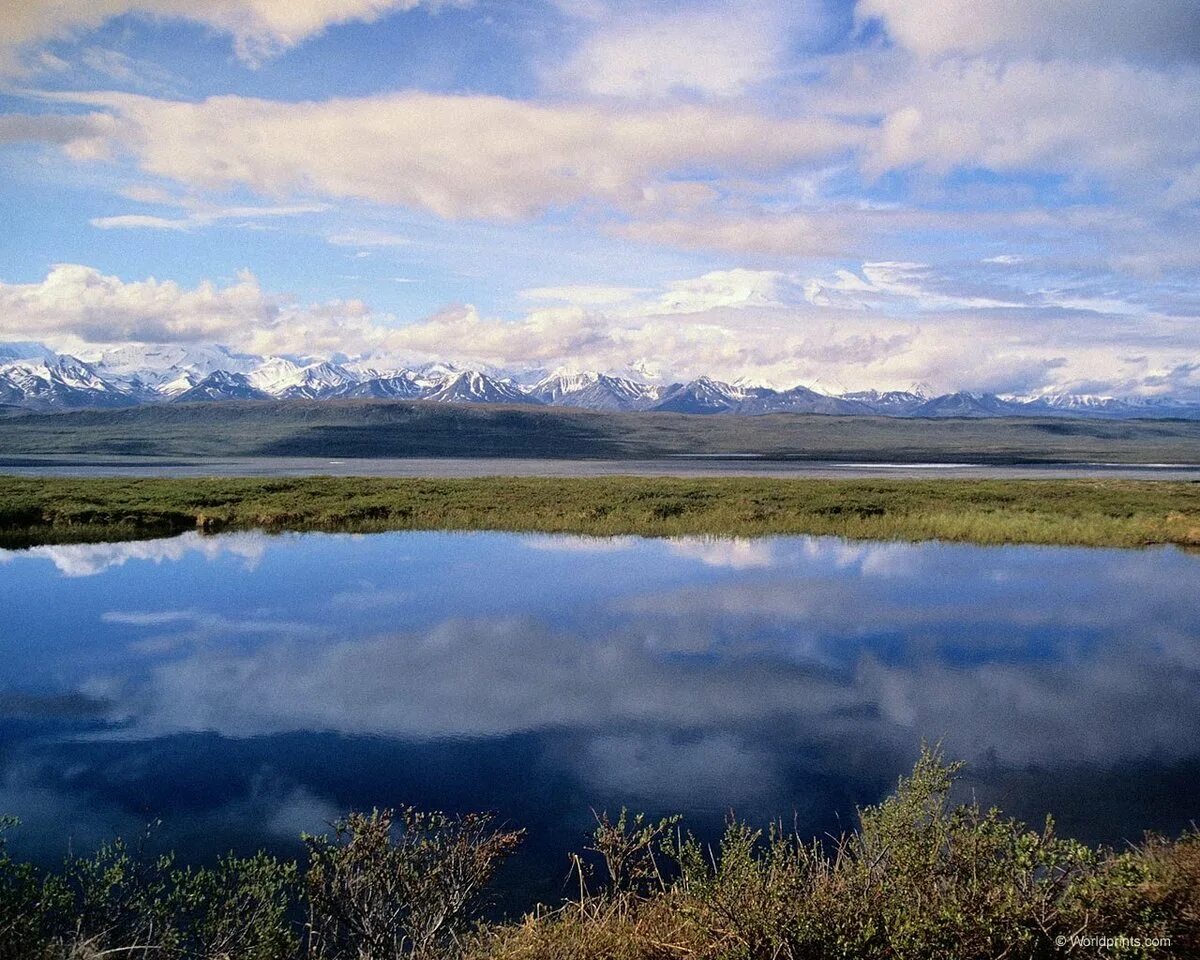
[(722, 465), (245, 688)]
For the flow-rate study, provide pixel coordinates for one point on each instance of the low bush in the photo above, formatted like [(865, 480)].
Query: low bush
[(921, 878)]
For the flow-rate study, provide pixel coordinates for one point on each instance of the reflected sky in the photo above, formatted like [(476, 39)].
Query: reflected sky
[(247, 687)]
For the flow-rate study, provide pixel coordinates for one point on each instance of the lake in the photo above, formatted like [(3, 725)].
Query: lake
[(245, 688), (725, 465)]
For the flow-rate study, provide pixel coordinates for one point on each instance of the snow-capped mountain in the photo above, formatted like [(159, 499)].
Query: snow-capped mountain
[(894, 402), (148, 367), (595, 391), (33, 377), (553, 388), (59, 382), (275, 374), (802, 400), (222, 385), (313, 382), (472, 387), (966, 404), (703, 395), (396, 386)]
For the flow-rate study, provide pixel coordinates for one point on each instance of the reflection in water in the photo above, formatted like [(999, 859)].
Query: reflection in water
[(249, 687)]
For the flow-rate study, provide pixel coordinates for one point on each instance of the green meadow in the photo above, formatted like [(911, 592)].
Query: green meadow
[(1112, 513)]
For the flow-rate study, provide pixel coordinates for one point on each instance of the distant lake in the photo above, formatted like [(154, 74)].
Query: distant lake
[(245, 688), (722, 465)]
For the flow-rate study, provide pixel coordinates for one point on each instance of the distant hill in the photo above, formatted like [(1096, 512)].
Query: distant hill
[(394, 428)]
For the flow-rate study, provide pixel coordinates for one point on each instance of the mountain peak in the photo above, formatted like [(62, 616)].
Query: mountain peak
[(35, 377)]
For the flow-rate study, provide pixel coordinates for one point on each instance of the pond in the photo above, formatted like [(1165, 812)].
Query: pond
[(244, 688)]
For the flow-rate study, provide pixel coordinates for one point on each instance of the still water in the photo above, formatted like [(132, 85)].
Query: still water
[(245, 688)]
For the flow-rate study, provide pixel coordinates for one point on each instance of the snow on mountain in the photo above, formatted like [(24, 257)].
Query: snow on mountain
[(222, 385), (888, 402), (33, 377), (182, 383), (154, 364), (703, 395), (315, 381), (966, 404), (1076, 401), (553, 388), (801, 400), (397, 386), (594, 391), (274, 375), (59, 382), (473, 387)]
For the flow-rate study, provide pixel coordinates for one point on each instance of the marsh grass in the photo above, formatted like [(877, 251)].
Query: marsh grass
[(921, 878), (1080, 512)]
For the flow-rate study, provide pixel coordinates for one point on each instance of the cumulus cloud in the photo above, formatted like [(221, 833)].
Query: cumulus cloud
[(81, 302), (259, 28), (883, 325), (77, 305)]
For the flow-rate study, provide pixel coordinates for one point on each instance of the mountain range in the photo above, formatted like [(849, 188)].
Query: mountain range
[(33, 377)]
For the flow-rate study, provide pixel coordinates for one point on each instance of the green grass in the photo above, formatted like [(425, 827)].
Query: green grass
[(1078, 512)]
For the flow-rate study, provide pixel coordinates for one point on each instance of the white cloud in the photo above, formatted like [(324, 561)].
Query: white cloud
[(138, 221), (196, 213), (735, 554), (455, 156), (358, 237), (722, 288), (80, 301), (88, 560), (82, 135), (720, 53), (1157, 30), (886, 324), (794, 234), (1133, 128), (260, 28)]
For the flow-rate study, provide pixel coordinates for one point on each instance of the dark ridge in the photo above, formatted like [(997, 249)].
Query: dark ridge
[(399, 428)]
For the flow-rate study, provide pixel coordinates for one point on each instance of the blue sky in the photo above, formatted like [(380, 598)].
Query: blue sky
[(848, 194)]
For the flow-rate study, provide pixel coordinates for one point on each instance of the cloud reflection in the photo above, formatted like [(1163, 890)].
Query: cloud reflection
[(751, 673), (90, 559)]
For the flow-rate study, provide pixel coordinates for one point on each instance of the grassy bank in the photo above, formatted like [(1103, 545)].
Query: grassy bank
[(918, 878), (1082, 512)]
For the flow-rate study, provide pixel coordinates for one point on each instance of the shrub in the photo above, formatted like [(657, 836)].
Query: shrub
[(393, 884), (921, 878)]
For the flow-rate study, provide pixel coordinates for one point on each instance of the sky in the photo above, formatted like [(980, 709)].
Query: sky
[(997, 195)]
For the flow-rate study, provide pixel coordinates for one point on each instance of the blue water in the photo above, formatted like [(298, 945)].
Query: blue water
[(245, 688)]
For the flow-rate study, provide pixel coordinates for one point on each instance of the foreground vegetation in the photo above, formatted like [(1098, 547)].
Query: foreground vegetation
[(1084, 512), (920, 878)]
